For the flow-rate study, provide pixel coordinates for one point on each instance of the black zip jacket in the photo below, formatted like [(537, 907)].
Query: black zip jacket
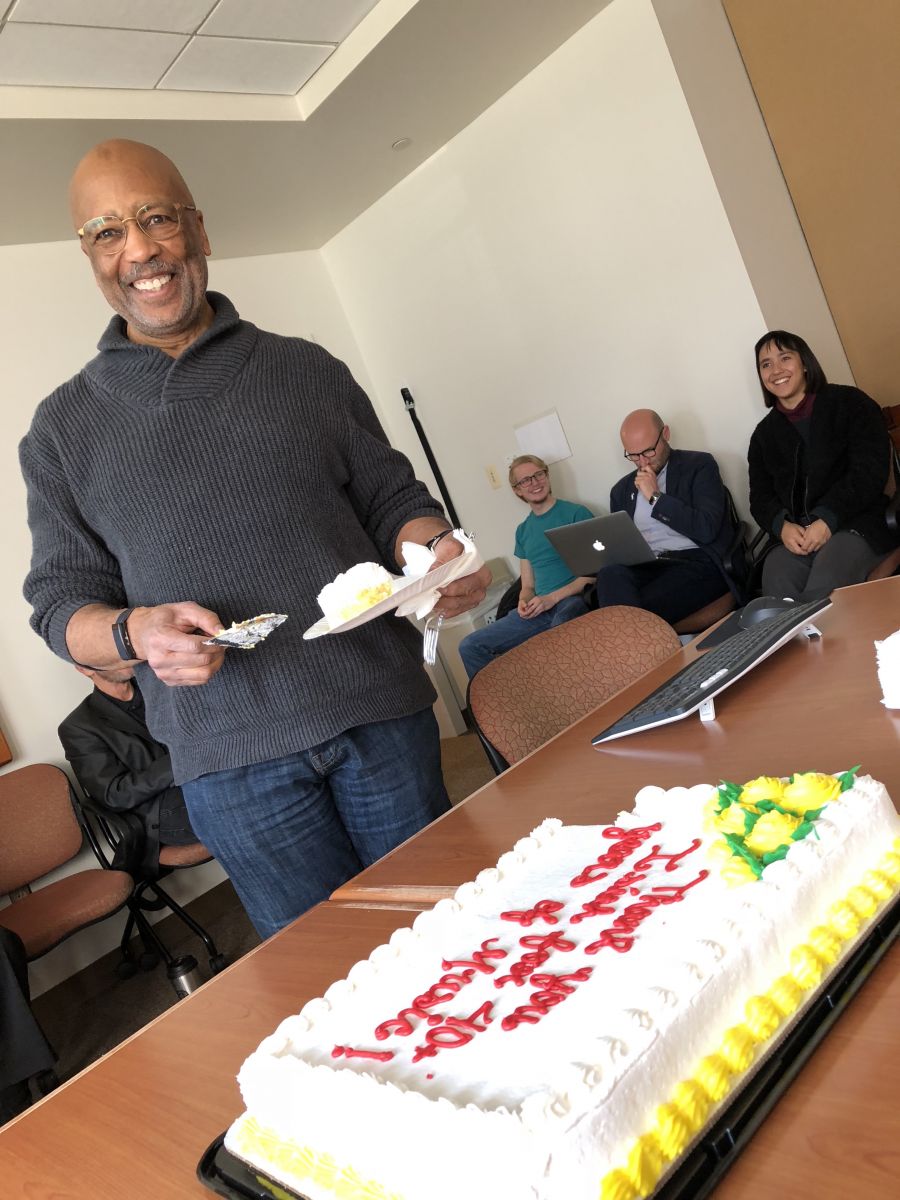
[(839, 476)]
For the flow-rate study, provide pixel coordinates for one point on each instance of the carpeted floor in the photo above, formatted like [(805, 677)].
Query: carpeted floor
[(90, 1013)]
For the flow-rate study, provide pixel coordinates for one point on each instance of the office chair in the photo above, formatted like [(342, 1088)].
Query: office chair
[(534, 691), (105, 830), (39, 831), (738, 563)]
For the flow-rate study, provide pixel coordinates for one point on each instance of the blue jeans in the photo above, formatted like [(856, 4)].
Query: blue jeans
[(290, 831), (481, 647)]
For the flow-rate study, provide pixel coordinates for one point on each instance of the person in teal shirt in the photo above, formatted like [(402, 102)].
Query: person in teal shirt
[(550, 593)]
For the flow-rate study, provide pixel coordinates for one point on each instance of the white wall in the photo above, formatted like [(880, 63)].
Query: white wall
[(51, 317), (568, 250)]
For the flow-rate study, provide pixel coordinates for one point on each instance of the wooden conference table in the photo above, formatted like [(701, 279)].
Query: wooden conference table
[(135, 1123)]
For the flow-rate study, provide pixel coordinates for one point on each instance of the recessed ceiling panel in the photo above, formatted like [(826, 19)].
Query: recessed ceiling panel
[(73, 56), (167, 16), (214, 64), (288, 20)]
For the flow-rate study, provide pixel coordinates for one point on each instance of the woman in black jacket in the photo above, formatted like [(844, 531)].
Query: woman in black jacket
[(819, 466)]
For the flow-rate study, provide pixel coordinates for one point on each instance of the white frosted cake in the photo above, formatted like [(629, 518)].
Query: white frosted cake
[(566, 1024), (354, 591)]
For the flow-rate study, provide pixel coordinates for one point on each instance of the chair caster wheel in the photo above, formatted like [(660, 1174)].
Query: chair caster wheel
[(218, 963), (126, 968), (148, 960)]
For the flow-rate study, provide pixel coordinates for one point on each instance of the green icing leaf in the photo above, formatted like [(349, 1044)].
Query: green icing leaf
[(729, 792), (776, 855), (848, 778), (738, 848)]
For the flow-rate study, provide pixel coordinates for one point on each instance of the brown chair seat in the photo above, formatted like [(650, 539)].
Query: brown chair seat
[(47, 916), (184, 856), (701, 620), (534, 691)]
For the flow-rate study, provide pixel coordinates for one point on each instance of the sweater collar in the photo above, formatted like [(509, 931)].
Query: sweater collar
[(144, 375)]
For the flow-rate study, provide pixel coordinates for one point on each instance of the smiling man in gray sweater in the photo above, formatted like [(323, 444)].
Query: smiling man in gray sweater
[(199, 471)]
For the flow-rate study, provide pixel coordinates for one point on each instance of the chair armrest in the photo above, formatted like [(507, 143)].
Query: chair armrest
[(892, 512)]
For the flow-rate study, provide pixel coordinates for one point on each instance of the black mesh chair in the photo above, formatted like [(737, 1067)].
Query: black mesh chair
[(118, 835)]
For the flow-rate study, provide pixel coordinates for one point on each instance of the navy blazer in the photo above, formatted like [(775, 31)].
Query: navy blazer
[(694, 504)]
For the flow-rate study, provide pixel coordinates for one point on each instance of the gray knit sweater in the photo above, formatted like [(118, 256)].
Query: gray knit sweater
[(243, 475)]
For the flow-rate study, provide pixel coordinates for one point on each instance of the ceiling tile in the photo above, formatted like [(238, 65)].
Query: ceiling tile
[(69, 56), (288, 20), (212, 64), (167, 16)]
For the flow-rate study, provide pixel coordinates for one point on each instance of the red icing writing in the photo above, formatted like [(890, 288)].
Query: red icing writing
[(627, 841), (346, 1051), (541, 946), (552, 990), (671, 860), (605, 902), (404, 1023), (621, 936), (454, 1032), (542, 911)]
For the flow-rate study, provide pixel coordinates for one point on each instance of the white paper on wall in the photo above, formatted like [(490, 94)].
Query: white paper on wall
[(545, 437)]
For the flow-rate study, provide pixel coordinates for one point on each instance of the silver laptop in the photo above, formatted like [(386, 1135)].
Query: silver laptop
[(587, 546)]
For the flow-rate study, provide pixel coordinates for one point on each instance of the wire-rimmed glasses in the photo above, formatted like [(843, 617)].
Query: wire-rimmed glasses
[(159, 220)]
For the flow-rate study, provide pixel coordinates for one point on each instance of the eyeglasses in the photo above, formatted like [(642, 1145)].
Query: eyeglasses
[(650, 452), (527, 480), (159, 221)]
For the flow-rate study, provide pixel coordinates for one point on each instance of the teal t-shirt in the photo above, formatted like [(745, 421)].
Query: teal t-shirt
[(550, 572)]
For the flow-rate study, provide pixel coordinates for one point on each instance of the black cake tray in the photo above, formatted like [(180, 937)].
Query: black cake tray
[(700, 1170)]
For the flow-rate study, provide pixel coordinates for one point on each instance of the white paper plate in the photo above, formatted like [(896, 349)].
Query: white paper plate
[(406, 592)]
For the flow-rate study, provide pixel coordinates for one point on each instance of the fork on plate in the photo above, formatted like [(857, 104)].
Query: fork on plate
[(430, 639)]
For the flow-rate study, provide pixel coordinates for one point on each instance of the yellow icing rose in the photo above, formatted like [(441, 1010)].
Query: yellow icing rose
[(770, 831), (766, 787), (731, 820), (737, 871), (811, 790)]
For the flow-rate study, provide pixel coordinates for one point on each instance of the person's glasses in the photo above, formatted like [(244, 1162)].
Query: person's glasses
[(650, 452), (528, 480), (107, 235)]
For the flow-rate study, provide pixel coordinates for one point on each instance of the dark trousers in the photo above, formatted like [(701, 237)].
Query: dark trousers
[(24, 1051), (673, 587)]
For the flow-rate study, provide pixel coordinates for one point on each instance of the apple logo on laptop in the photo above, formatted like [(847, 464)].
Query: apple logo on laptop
[(598, 545)]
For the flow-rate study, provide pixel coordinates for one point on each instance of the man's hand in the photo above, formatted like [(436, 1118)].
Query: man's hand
[(167, 637), (464, 593), (794, 538), (645, 481), (536, 605), (815, 536)]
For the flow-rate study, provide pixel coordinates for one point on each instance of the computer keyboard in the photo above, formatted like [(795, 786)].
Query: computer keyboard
[(714, 671)]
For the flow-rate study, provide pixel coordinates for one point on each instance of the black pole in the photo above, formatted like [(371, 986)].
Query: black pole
[(410, 405)]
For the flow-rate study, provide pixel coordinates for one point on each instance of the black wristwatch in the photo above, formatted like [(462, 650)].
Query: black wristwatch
[(121, 637), (432, 542), (654, 498)]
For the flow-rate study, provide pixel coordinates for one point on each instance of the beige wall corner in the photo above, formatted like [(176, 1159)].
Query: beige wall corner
[(748, 177)]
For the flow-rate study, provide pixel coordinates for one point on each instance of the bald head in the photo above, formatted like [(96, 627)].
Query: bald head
[(644, 430), (154, 274), (117, 162)]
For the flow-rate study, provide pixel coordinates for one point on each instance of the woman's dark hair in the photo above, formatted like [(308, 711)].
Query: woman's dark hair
[(815, 376)]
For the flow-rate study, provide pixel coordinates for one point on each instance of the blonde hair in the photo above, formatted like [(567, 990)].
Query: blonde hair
[(526, 458)]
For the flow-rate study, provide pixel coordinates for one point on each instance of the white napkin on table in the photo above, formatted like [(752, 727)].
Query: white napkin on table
[(887, 655), (420, 561)]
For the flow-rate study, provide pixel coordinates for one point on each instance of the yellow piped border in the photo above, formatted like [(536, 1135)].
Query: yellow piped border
[(684, 1114), (255, 1141)]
